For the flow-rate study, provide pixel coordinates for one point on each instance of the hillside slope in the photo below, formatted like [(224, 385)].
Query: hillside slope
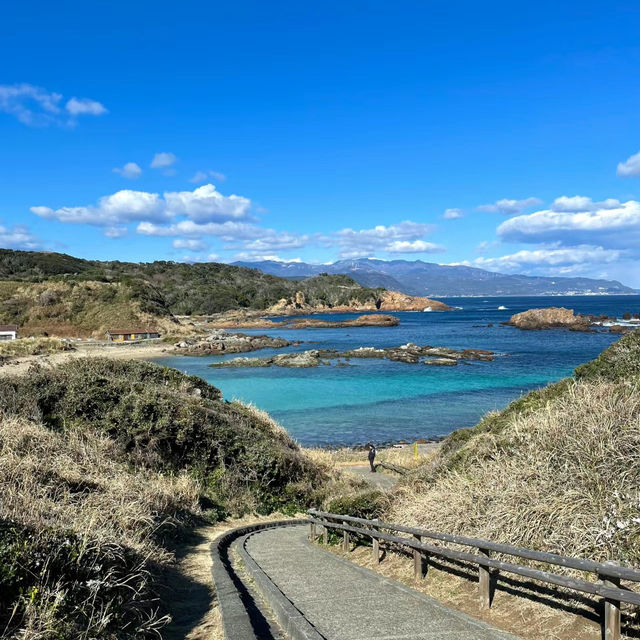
[(102, 465), (557, 470), (63, 295)]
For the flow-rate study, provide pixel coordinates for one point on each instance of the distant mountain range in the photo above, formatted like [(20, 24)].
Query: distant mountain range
[(420, 278)]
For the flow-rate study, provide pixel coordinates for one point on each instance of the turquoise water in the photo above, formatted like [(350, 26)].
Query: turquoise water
[(388, 401)]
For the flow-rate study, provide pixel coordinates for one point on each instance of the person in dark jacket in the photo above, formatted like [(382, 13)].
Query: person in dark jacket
[(372, 456)]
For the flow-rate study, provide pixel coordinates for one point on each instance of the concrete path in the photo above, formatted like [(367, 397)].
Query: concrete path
[(344, 601), (379, 479)]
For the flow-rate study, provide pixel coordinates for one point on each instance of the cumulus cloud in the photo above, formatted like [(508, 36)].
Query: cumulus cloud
[(630, 167), (116, 232), (203, 176), (202, 205), (452, 214), (509, 207), (189, 245), (37, 107), (129, 170), (575, 204), (252, 257), (391, 239), (614, 228), (205, 204), (163, 160), (18, 237)]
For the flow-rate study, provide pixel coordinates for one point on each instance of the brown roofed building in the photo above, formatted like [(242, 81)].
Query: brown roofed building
[(131, 335), (8, 332)]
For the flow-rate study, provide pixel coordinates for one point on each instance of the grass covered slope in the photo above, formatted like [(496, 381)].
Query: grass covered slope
[(102, 464), (59, 293), (557, 470)]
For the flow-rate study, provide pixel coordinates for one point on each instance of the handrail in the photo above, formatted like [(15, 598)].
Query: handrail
[(580, 564), (608, 573)]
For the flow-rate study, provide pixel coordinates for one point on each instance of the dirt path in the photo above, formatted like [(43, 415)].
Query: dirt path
[(379, 479)]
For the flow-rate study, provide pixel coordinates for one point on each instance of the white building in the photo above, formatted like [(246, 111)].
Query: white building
[(8, 332)]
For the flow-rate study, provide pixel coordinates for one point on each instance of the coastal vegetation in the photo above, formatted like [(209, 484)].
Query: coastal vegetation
[(103, 465), (62, 295)]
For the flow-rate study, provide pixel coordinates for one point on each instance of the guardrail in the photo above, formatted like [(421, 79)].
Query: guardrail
[(609, 574)]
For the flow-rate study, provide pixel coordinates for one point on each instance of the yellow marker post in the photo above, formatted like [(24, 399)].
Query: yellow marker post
[(415, 450)]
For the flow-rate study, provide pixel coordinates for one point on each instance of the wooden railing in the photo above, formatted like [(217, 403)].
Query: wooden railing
[(608, 574)]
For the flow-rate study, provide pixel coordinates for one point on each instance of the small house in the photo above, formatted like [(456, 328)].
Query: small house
[(8, 332), (131, 335)]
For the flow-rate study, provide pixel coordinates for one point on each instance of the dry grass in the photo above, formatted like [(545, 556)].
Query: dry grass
[(563, 478), (33, 347), (113, 519)]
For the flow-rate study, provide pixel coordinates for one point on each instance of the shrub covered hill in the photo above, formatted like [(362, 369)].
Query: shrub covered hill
[(59, 294), (557, 470), (102, 464)]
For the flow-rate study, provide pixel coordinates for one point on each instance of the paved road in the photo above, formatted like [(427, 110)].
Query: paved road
[(347, 602), (379, 479)]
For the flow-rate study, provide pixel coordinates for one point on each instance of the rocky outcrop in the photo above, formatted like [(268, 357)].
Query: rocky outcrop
[(301, 360), (220, 342), (388, 301), (409, 353), (369, 320), (550, 318)]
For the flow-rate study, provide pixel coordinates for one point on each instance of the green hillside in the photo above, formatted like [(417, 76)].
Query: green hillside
[(63, 295)]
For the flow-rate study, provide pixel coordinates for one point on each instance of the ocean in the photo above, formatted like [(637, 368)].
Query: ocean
[(383, 401)]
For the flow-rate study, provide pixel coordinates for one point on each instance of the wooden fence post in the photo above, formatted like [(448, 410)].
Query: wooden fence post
[(375, 547), (325, 533), (611, 610), (312, 531), (345, 539), (484, 582), (417, 560)]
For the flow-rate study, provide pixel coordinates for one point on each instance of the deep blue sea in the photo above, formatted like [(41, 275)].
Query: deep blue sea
[(387, 401)]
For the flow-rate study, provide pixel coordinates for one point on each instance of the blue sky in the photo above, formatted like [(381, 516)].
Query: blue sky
[(502, 135)]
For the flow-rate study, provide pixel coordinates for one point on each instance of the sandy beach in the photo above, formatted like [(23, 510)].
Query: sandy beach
[(145, 351)]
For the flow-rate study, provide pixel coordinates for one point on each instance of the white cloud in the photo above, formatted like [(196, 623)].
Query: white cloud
[(617, 228), (510, 207), (203, 176), (415, 246), (630, 167), (526, 260), (84, 106), (452, 214), (163, 160), (18, 237), (129, 170), (366, 242), (203, 204), (116, 232), (575, 204), (37, 107), (189, 245), (252, 257)]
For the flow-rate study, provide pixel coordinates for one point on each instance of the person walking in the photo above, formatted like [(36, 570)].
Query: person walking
[(372, 456)]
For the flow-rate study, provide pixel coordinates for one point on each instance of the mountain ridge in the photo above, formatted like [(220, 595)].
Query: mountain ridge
[(419, 278)]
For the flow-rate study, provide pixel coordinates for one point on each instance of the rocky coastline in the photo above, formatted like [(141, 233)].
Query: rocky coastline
[(220, 342), (407, 353), (367, 320), (562, 318)]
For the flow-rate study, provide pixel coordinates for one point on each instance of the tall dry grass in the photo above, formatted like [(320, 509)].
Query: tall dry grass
[(81, 534), (564, 477)]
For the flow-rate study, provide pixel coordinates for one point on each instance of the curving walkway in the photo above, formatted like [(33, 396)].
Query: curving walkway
[(344, 601)]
